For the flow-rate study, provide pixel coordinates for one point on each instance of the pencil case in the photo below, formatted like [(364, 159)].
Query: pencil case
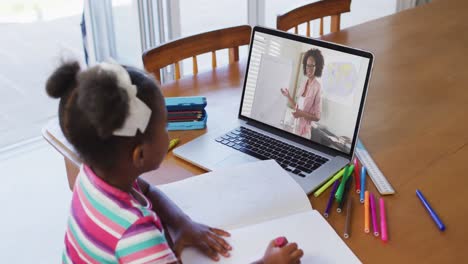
[(191, 103), (185, 103), (189, 125)]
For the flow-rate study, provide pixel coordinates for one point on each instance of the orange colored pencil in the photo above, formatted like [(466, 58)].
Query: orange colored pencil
[(366, 212)]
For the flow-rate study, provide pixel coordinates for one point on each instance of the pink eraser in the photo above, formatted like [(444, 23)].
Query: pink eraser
[(281, 241)]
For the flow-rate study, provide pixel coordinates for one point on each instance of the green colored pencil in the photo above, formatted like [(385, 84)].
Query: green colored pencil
[(347, 174)]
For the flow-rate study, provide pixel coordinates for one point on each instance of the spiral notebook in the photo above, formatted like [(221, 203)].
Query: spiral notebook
[(257, 202)]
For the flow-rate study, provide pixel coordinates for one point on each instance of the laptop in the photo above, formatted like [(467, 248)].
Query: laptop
[(301, 105)]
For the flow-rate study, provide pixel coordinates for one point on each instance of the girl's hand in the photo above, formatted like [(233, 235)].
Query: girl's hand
[(288, 254), (208, 240), (285, 92)]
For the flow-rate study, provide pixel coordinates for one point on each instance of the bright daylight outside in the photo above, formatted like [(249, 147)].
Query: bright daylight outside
[(36, 34)]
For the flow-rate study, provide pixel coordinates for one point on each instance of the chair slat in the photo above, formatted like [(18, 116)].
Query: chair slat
[(157, 75), (233, 54), (195, 64), (177, 71), (335, 23), (321, 26), (213, 59), (308, 29), (189, 47), (313, 11)]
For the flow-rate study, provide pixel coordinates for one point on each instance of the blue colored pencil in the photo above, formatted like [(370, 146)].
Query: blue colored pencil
[(431, 211), (363, 183)]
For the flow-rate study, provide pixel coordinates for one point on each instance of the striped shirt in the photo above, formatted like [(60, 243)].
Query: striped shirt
[(107, 225)]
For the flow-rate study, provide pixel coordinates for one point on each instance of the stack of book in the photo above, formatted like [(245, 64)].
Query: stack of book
[(186, 113)]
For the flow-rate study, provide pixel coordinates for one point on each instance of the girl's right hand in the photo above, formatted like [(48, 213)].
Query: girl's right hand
[(288, 254), (285, 92)]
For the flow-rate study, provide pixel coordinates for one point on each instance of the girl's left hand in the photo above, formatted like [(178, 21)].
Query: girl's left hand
[(207, 239)]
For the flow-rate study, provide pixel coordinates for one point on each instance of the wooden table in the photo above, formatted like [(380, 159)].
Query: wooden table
[(414, 125)]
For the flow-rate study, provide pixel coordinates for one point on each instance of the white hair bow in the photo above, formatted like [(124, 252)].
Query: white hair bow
[(138, 112)]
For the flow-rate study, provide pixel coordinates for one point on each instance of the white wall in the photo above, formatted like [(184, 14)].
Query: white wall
[(281, 50)]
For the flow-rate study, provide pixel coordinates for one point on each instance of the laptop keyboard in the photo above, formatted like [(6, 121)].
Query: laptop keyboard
[(291, 158)]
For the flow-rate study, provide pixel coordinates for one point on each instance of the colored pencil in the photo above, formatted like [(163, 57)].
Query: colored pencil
[(341, 187), (373, 208), (366, 212), (383, 221), (363, 183), (431, 211), (357, 179), (345, 194), (329, 182), (347, 232), (330, 200)]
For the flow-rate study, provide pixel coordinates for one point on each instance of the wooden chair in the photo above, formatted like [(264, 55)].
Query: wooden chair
[(175, 51), (307, 13)]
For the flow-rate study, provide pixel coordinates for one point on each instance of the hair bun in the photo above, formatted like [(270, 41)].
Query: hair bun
[(103, 102), (63, 79)]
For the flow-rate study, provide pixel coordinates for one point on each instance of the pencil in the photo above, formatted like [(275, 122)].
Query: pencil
[(366, 212), (347, 232), (373, 208), (363, 183), (357, 180), (347, 174), (329, 183), (173, 143), (383, 221), (330, 200), (345, 194), (431, 211)]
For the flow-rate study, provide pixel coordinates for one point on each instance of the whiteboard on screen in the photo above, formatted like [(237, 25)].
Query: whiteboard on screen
[(269, 104)]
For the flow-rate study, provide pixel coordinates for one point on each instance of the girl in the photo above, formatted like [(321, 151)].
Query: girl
[(115, 118)]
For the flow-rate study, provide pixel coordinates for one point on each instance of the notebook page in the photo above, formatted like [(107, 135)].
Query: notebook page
[(309, 230), (240, 196)]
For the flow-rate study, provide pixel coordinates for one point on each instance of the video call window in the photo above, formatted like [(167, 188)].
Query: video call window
[(310, 91)]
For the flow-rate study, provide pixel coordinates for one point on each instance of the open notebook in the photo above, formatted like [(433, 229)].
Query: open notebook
[(257, 202)]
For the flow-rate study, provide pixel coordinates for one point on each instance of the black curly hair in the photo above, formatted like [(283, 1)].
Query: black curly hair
[(92, 107), (319, 61)]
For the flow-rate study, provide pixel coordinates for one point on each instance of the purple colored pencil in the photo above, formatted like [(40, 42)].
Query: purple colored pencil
[(332, 196), (375, 227)]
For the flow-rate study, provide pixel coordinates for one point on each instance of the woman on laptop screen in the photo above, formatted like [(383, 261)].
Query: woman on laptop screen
[(308, 105)]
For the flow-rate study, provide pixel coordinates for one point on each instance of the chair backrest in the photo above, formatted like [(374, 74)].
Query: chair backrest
[(317, 10), (175, 51)]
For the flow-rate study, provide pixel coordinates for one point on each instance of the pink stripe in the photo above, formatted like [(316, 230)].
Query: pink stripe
[(138, 229), (112, 225), (98, 182), (123, 200), (80, 250), (147, 252), (90, 227), (143, 224), (70, 251), (99, 236), (167, 259)]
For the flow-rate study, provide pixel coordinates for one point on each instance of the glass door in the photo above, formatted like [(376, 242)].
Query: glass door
[(124, 29), (116, 29)]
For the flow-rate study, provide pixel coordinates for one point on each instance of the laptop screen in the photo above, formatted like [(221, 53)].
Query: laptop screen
[(309, 88)]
